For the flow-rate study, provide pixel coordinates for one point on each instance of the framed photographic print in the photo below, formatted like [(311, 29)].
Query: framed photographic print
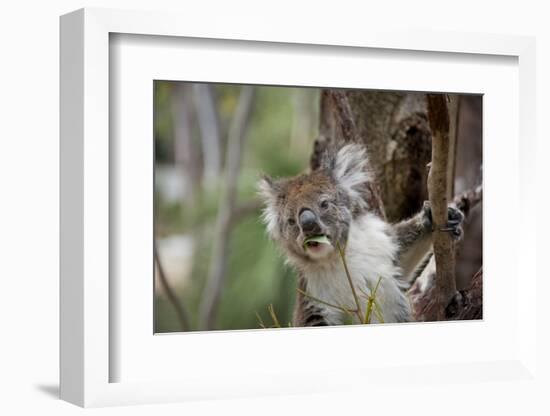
[(279, 213)]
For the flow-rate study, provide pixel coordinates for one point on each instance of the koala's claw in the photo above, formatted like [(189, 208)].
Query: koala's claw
[(454, 220), (456, 231)]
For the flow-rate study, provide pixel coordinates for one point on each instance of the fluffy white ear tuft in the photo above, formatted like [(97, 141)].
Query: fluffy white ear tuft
[(268, 191), (351, 169)]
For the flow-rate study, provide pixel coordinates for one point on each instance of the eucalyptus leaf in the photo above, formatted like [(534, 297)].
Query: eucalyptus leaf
[(321, 239)]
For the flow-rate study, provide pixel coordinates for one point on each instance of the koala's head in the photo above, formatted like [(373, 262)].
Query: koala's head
[(320, 203)]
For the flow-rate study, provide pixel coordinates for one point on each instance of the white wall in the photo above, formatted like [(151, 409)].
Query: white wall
[(29, 187)]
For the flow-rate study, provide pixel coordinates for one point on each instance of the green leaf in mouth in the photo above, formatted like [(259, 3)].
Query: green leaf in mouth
[(320, 239)]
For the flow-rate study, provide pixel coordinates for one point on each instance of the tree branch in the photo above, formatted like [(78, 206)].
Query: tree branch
[(181, 313), (445, 284), (244, 209)]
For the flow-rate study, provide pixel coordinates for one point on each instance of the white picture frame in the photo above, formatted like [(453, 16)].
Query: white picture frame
[(87, 166)]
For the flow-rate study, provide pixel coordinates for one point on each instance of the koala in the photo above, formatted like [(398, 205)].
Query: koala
[(331, 202)]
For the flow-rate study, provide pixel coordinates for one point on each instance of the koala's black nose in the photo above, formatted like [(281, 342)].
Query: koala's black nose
[(308, 221)]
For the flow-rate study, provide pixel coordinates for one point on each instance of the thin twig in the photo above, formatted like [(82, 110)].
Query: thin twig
[(371, 301), (350, 281), (260, 321), (340, 308), (378, 312), (273, 316), (244, 209), (178, 307)]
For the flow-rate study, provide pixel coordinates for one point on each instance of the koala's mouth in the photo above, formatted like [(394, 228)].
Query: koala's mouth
[(316, 241)]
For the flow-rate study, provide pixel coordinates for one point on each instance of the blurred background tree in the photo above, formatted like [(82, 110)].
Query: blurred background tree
[(194, 124)]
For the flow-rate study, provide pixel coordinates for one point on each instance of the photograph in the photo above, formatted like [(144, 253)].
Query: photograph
[(289, 207)]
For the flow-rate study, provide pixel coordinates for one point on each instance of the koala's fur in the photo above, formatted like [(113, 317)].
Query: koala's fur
[(336, 195)]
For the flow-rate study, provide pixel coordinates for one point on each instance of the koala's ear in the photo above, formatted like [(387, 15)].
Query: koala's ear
[(349, 169), (269, 191)]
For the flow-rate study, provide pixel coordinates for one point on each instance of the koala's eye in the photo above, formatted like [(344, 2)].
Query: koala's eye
[(291, 221), (324, 204)]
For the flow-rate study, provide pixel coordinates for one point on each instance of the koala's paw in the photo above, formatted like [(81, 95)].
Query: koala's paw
[(457, 302), (454, 220)]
